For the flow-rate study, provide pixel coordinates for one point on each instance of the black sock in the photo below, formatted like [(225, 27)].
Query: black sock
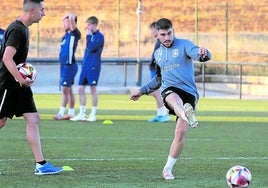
[(41, 162)]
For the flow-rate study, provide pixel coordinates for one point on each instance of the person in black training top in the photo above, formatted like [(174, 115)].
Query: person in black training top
[(16, 97)]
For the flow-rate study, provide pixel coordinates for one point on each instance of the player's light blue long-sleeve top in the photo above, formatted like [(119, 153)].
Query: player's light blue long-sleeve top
[(94, 47), (175, 67)]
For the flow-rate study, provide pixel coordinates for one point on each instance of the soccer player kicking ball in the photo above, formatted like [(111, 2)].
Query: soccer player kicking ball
[(175, 76)]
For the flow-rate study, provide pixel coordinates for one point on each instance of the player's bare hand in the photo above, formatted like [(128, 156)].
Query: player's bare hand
[(135, 95), (203, 52), (26, 83), (71, 16)]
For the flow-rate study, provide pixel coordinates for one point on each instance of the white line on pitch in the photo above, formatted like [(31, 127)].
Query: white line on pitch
[(144, 159), (149, 139)]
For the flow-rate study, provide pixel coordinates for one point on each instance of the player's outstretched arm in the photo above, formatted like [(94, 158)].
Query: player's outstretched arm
[(148, 88)]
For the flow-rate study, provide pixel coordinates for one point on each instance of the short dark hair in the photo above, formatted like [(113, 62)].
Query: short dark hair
[(93, 20), (164, 23), (75, 19), (32, 1), (152, 25)]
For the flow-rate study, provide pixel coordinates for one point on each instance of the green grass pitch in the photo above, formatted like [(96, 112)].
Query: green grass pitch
[(132, 152)]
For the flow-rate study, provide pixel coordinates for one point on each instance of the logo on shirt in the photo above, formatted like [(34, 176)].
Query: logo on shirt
[(175, 53)]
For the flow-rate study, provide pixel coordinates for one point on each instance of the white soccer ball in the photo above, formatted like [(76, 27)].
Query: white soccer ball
[(238, 177), (27, 71)]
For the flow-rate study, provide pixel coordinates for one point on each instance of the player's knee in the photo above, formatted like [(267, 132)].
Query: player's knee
[(81, 90), (181, 129), (2, 122), (65, 90)]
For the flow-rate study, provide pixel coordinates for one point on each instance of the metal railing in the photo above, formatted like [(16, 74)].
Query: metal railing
[(133, 61), (228, 64), (113, 60)]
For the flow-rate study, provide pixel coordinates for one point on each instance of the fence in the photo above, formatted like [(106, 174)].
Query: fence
[(237, 82), (218, 25), (126, 72)]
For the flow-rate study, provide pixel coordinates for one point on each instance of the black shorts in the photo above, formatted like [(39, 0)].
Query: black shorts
[(186, 97), (16, 101)]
